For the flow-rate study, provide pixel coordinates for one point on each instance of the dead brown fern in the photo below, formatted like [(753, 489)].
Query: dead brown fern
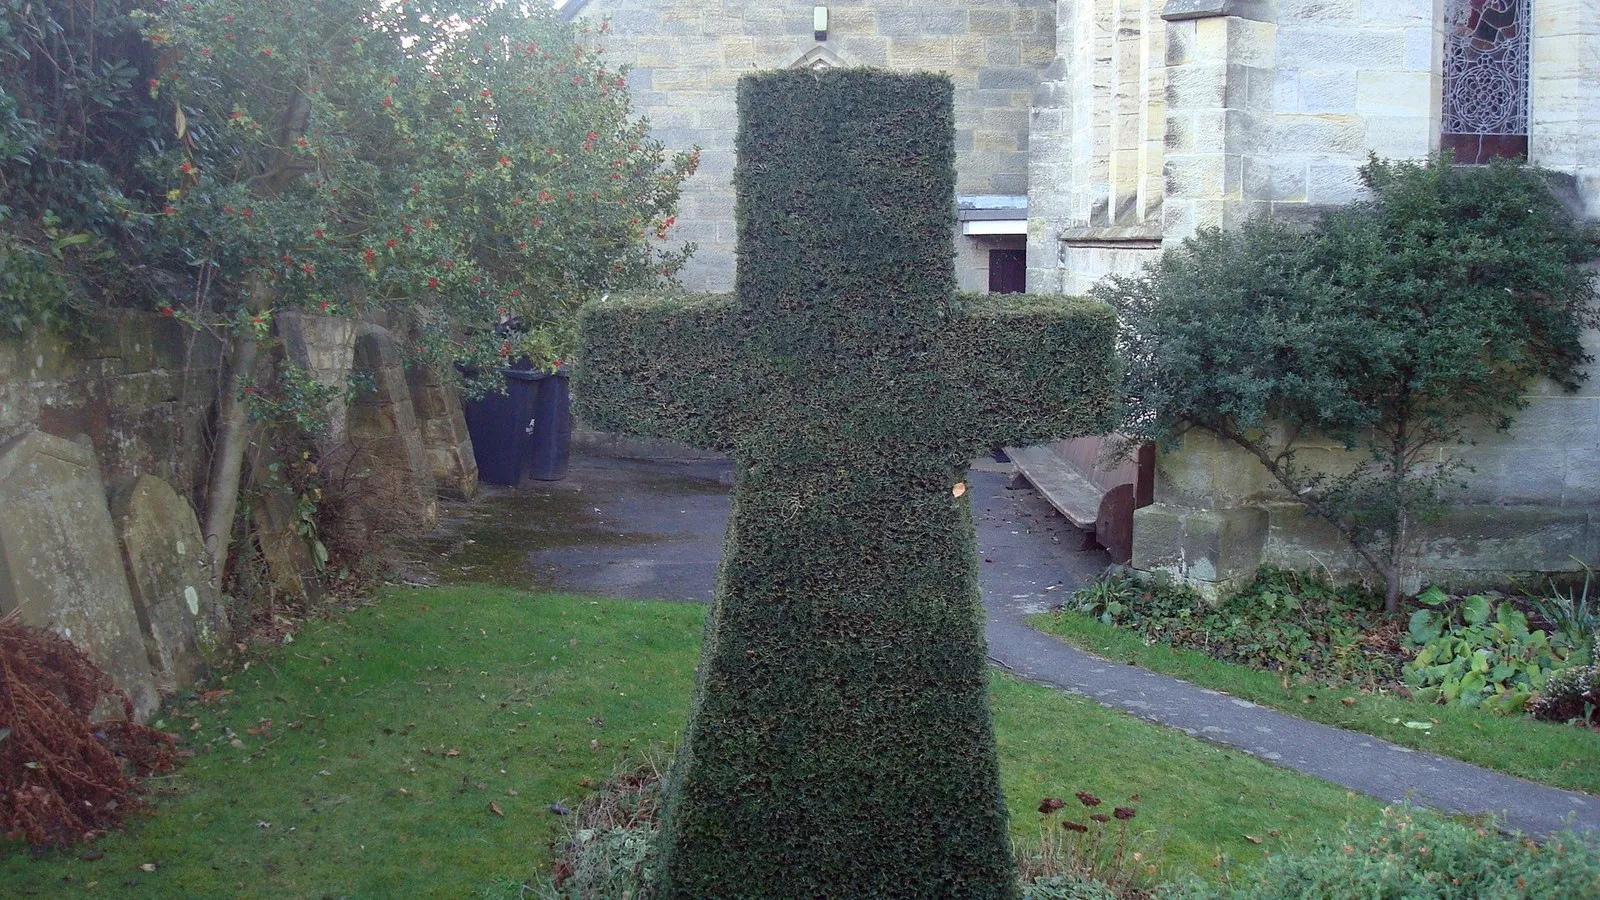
[(63, 777)]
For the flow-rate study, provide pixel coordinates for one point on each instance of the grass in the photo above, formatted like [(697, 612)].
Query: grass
[(363, 758), (1549, 753)]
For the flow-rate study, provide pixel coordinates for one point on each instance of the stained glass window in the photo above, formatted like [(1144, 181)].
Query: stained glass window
[(1486, 79)]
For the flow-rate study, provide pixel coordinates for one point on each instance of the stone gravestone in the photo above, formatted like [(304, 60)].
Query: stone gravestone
[(839, 742), (443, 424), (383, 427), (59, 563), (163, 552)]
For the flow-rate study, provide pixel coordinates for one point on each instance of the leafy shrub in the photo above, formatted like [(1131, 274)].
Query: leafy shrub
[(1572, 694), (462, 163), (1392, 326), (1477, 652), (1299, 625), (1405, 855), (33, 292)]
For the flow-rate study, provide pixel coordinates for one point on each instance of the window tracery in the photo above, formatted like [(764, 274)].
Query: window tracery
[(1486, 56)]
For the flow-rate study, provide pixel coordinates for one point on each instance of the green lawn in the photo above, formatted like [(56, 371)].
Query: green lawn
[(393, 730), (1553, 754)]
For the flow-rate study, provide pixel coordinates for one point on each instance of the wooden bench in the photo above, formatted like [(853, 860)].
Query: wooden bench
[(1097, 498)]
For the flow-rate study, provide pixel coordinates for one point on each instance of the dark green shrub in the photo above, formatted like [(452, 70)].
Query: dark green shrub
[(1416, 858), (839, 743), (1283, 622), (1393, 326)]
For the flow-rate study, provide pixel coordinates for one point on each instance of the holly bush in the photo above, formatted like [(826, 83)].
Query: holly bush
[(462, 166)]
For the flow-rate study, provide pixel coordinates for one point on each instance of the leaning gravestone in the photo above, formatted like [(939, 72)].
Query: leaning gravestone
[(839, 742), (59, 563), (179, 611), (383, 426)]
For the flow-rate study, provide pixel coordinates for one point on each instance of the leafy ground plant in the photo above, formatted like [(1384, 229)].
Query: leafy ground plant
[(1296, 625), (1545, 752), (1571, 695), (1405, 855), (369, 756), (1477, 651)]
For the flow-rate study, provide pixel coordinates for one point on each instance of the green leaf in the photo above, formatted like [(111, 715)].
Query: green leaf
[(1476, 609), (1432, 597), (1514, 621), (1426, 626)]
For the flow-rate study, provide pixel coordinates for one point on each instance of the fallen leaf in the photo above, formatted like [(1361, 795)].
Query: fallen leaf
[(210, 696), (495, 808), (960, 490), (148, 867), (452, 752), (1252, 839), (1420, 726), (1348, 701), (236, 744)]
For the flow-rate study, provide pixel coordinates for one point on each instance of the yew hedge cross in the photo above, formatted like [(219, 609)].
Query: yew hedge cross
[(839, 743)]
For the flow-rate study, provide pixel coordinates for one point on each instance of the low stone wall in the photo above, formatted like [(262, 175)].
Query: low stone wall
[(104, 446), (1532, 505), (140, 388)]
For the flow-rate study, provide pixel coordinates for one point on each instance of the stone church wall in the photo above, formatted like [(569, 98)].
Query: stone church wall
[(1271, 109), (1252, 108), (688, 54)]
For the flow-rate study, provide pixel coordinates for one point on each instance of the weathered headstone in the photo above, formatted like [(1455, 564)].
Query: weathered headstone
[(839, 743), (59, 562), (163, 552), (383, 426), (290, 568)]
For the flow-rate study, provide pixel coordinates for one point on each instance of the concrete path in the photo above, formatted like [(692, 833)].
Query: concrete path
[(655, 530)]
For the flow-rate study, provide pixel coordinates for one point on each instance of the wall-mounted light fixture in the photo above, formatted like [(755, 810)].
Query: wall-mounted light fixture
[(819, 22)]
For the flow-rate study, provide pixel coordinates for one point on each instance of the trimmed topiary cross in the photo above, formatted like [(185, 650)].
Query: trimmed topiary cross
[(840, 744)]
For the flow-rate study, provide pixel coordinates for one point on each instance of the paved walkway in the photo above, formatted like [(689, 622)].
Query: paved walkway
[(655, 530)]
